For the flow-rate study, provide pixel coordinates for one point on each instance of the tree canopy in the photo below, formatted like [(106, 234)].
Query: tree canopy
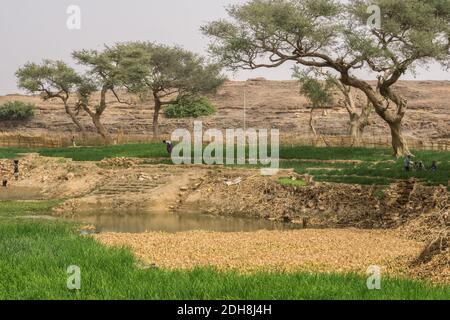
[(143, 68), (165, 73), (333, 35), (52, 79)]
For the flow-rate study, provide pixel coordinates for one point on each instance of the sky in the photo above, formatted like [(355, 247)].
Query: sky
[(31, 30)]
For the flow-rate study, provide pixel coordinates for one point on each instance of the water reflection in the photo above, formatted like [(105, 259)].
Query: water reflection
[(177, 223)]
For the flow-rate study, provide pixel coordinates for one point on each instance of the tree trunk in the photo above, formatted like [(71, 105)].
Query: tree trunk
[(356, 130), (74, 119), (399, 143), (358, 122), (311, 123), (380, 101), (156, 117), (101, 129)]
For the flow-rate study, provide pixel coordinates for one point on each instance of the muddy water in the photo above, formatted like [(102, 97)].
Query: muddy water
[(20, 193), (173, 223)]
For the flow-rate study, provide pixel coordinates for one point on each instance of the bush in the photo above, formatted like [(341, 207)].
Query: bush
[(16, 110), (190, 107)]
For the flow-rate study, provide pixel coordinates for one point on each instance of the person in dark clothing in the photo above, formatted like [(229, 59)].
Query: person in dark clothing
[(169, 146), (16, 169), (420, 166), (434, 166), (5, 183), (407, 163)]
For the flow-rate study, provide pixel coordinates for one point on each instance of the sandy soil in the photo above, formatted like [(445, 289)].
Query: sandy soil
[(303, 250)]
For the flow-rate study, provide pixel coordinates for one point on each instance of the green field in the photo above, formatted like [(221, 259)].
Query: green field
[(374, 167), (35, 255)]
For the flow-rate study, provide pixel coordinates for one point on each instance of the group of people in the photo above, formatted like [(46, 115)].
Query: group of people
[(410, 165)]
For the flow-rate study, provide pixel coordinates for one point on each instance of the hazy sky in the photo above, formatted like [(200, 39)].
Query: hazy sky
[(31, 30)]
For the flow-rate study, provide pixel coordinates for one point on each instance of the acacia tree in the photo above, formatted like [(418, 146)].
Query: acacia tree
[(53, 80), (320, 89), (316, 92), (165, 73), (328, 34), (103, 76), (358, 120)]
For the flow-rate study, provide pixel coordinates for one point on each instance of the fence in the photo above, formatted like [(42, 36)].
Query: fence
[(368, 142), (66, 140)]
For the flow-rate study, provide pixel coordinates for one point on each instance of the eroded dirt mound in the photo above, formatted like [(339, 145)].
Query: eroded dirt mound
[(322, 204), (130, 187), (55, 178)]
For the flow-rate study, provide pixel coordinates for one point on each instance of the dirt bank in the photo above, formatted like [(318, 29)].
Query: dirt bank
[(322, 204), (54, 178)]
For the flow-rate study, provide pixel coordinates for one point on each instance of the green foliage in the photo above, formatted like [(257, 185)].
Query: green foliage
[(363, 166), (260, 28), (16, 111), (319, 92), (332, 34), (149, 68), (18, 208), (410, 32), (50, 78), (290, 182), (189, 107)]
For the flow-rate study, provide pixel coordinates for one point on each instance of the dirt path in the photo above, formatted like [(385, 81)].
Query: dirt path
[(303, 250)]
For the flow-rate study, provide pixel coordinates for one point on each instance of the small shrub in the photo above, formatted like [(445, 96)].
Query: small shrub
[(190, 107), (16, 110)]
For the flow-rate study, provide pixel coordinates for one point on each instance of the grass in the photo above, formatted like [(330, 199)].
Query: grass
[(374, 172), (19, 208), (35, 255), (151, 150), (335, 153), (290, 182), (369, 166)]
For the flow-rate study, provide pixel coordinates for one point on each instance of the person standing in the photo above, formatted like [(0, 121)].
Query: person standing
[(16, 169), (169, 146), (407, 163), (434, 166)]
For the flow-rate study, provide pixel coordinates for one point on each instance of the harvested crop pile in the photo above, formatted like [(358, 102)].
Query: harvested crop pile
[(302, 250)]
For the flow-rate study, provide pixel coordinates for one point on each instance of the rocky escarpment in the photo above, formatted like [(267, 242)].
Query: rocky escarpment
[(268, 104)]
